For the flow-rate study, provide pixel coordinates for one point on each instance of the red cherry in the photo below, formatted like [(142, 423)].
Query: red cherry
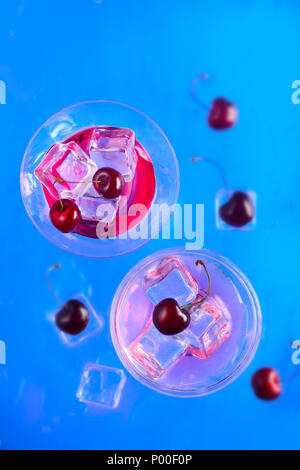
[(222, 115), (266, 383), (169, 318), (108, 182), (65, 215), (73, 317), (238, 211)]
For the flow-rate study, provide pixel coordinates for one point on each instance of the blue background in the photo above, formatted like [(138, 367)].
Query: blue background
[(145, 54)]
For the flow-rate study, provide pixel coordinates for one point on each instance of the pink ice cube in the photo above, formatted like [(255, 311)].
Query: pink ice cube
[(66, 171), (210, 326), (114, 147)]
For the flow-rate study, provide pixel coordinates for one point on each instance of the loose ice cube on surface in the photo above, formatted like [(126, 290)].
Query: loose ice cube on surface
[(156, 352), (95, 324), (71, 166), (170, 278), (114, 147), (101, 386), (210, 326)]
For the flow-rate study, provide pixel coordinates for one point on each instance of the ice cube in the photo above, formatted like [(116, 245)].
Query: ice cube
[(95, 324), (170, 278), (73, 168), (95, 207), (210, 326), (114, 147), (101, 386), (155, 352)]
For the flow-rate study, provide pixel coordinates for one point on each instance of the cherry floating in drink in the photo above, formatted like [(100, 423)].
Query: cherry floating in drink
[(222, 114), (73, 316), (266, 383), (169, 318), (65, 215), (234, 209), (109, 183)]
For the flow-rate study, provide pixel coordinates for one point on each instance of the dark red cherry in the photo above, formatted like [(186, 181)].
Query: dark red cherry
[(108, 182), (73, 317), (65, 215), (266, 383), (222, 115), (169, 318), (238, 210)]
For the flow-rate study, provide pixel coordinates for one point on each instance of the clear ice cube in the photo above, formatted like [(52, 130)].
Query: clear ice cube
[(101, 386), (94, 207), (155, 352), (114, 147), (170, 278), (95, 324), (210, 326), (73, 168)]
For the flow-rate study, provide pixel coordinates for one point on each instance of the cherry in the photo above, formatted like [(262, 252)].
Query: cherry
[(108, 182), (65, 215), (73, 317), (223, 114), (169, 318), (266, 383), (238, 210)]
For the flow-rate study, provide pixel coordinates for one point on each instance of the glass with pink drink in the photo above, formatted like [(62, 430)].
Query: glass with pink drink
[(222, 334), (92, 176)]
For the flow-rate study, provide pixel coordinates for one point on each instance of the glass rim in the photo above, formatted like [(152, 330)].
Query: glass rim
[(198, 391), (53, 119)]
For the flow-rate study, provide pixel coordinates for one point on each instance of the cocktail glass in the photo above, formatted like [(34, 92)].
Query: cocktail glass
[(151, 180), (221, 339)]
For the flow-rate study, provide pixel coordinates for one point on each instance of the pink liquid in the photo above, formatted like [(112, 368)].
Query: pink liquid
[(190, 373), (140, 190)]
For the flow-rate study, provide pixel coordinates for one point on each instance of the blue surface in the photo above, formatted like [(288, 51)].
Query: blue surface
[(145, 54)]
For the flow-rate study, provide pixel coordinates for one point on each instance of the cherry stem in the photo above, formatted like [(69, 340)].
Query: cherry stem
[(199, 261), (218, 165), (50, 286), (60, 180), (59, 198), (197, 79)]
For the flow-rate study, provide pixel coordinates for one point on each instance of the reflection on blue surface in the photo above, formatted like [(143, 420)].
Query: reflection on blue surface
[(146, 54)]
